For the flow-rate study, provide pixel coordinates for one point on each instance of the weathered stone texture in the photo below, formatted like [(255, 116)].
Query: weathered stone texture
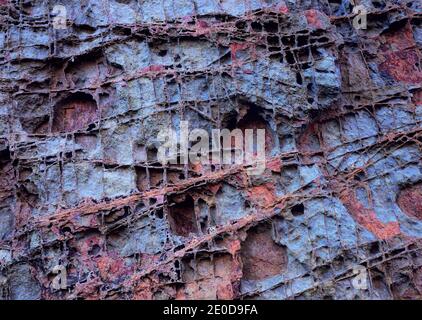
[(81, 187)]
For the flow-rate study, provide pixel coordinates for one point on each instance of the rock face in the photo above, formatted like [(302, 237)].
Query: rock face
[(82, 192)]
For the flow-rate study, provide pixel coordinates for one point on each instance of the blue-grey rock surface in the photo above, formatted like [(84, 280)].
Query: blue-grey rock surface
[(86, 86)]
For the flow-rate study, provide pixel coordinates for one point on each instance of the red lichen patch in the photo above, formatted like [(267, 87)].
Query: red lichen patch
[(274, 165), (232, 246), (410, 201), (74, 113), (283, 8), (234, 49), (401, 65), (202, 27), (417, 97), (88, 251), (263, 195), (152, 69), (397, 39), (182, 218), (400, 56), (214, 187), (112, 268), (261, 256), (367, 217), (316, 19)]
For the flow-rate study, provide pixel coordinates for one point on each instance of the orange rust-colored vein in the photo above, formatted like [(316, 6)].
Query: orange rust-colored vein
[(90, 208)]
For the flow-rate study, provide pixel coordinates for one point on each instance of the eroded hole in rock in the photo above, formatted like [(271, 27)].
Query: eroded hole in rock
[(84, 70), (141, 178), (151, 154), (174, 176), (5, 155), (271, 26), (290, 57), (256, 26), (251, 121), (155, 177), (261, 256), (116, 215), (182, 217), (28, 194), (36, 125), (147, 178), (254, 120), (410, 200), (139, 153), (378, 4), (379, 283), (95, 250), (42, 126), (203, 215), (298, 209), (74, 113), (374, 248)]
